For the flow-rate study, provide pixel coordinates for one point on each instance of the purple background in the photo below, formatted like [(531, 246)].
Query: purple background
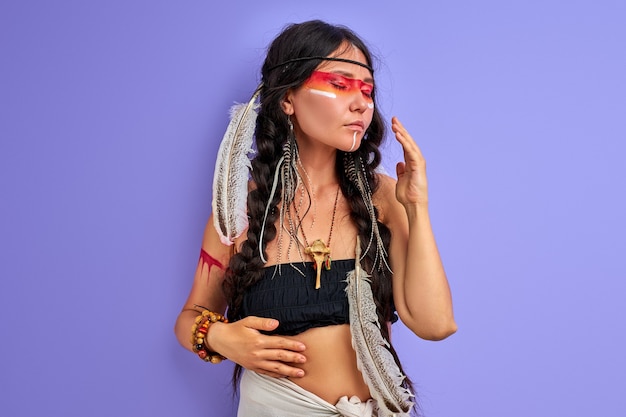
[(110, 120)]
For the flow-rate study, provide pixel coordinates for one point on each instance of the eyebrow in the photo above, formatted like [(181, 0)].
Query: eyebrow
[(348, 74)]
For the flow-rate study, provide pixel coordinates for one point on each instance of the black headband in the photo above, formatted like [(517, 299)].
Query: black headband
[(324, 58)]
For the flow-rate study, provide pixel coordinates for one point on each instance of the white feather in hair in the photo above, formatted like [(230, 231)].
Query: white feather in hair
[(232, 168), (374, 359)]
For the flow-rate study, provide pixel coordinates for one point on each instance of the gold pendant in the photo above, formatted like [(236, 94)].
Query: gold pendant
[(321, 254)]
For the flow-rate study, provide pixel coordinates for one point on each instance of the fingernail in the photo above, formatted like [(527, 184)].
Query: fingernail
[(300, 373)]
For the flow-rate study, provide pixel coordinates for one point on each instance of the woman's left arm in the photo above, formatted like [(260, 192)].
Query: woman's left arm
[(420, 288)]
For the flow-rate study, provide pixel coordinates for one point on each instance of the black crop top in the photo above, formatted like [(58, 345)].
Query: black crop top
[(293, 300)]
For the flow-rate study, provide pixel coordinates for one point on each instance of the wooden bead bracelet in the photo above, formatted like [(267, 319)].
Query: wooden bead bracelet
[(199, 331)]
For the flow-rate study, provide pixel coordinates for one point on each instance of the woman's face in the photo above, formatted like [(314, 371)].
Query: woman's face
[(334, 106)]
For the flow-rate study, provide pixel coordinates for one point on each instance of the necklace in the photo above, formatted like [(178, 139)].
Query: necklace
[(312, 196), (318, 250)]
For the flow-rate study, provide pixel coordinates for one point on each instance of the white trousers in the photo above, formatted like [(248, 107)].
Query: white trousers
[(264, 396)]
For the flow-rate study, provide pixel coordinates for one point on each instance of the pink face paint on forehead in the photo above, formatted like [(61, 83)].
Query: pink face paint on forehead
[(330, 84)]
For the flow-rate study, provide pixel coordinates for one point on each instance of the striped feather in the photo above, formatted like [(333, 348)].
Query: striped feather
[(232, 167), (374, 359)]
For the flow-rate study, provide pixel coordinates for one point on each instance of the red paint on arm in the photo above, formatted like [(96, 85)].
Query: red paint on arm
[(210, 261)]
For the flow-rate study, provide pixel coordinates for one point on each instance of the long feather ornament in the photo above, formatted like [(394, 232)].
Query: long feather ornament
[(232, 167), (357, 176), (374, 359)]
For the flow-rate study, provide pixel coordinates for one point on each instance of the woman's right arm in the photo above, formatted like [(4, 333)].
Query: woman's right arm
[(240, 341)]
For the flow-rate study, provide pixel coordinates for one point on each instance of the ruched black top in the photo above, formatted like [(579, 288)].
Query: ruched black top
[(293, 300)]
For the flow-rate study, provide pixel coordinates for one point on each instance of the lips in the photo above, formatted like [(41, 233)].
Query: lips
[(357, 125)]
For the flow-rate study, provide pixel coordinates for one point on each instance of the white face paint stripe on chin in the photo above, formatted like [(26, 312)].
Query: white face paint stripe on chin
[(353, 142)]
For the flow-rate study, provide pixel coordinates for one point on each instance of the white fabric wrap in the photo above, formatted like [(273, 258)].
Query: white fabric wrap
[(264, 396)]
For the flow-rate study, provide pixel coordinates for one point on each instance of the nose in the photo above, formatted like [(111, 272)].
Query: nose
[(358, 102)]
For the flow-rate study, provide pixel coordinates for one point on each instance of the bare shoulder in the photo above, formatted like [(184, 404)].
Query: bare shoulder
[(386, 183)]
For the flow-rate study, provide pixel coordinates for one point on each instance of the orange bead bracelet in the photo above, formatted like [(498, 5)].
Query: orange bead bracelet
[(199, 331)]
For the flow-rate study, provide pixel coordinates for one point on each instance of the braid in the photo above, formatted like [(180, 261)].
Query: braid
[(246, 266)]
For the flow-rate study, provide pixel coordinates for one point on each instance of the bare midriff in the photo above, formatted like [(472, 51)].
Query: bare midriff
[(330, 369)]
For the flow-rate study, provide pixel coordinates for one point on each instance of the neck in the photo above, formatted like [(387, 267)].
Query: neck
[(319, 164)]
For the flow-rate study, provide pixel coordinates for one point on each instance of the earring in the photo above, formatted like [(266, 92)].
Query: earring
[(289, 170), (283, 175), (355, 170)]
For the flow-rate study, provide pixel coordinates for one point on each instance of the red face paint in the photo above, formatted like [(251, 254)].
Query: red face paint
[(330, 84)]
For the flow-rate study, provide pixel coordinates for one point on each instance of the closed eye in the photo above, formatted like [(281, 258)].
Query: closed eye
[(343, 83), (339, 85)]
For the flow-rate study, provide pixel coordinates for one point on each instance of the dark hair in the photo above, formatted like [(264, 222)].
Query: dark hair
[(309, 39)]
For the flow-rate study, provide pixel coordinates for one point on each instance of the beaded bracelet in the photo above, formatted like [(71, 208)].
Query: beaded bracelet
[(199, 331)]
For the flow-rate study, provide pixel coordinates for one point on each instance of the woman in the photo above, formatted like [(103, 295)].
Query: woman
[(296, 304)]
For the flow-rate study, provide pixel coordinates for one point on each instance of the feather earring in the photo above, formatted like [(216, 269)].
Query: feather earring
[(232, 167), (374, 359), (287, 175), (290, 176), (290, 180), (356, 174)]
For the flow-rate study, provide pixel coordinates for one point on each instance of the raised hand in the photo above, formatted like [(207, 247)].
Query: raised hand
[(412, 186)]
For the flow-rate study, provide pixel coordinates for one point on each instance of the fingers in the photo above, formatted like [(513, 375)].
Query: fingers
[(401, 133), (260, 323), (286, 356), (271, 355), (276, 348), (272, 342), (278, 362), (400, 167), (264, 324), (279, 370), (276, 368), (412, 152), (277, 352)]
